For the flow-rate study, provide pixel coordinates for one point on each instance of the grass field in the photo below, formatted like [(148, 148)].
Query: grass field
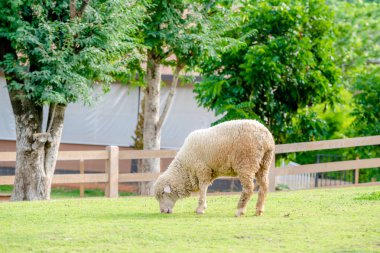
[(61, 192), (332, 220)]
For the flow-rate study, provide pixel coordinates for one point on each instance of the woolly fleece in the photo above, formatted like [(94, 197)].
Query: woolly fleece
[(242, 148)]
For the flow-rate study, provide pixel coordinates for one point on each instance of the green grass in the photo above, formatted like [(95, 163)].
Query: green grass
[(61, 192), (6, 189), (369, 196), (332, 220)]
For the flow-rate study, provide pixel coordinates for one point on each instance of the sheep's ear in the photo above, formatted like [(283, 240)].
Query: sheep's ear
[(167, 189)]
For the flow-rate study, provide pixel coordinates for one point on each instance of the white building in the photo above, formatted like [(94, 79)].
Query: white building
[(112, 119)]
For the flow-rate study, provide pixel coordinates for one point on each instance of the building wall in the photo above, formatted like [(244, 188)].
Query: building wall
[(112, 119)]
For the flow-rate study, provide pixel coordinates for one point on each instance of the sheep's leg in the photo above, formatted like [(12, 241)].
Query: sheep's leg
[(263, 182), (247, 183), (202, 199)]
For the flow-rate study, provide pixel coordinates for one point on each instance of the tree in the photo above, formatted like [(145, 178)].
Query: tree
[(178, 34), (285, 65), (367, 101), (357, 39), (358, 51), (52, 53)]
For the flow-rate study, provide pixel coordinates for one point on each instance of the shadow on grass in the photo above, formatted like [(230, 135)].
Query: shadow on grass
[(183, 215)]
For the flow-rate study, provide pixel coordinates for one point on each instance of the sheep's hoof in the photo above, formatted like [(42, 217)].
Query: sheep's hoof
[(200, 211), (240, 212), (259, 213)]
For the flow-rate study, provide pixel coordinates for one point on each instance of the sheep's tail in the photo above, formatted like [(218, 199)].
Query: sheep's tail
[(266, 161)]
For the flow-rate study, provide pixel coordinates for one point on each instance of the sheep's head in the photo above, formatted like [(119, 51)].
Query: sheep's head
[(165, 196)]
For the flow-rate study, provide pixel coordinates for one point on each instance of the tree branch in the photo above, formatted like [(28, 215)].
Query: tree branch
[(73, 9), (56, 115), (167, 54), (373, 61), (169, 99), (83, 8), (50, 117)]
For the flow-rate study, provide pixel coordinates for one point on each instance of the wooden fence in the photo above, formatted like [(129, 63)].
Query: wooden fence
[(326, 167), (112, 155)]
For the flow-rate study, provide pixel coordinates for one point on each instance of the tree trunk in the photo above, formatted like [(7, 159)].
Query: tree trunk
[(151, 133), (36, 151), (169, 99), (153, 121), (138, 138)]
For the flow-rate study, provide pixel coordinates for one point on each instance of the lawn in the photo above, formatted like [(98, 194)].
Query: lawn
[(331, 220), (64, 192)]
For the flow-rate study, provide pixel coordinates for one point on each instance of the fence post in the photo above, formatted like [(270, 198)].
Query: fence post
[(81, 171), (356, 174), (112, 169), (272, 176)]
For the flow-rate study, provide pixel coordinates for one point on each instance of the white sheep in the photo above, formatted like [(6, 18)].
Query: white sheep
[(242, 148)]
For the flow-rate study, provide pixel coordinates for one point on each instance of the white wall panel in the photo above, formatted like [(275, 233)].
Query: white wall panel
[(112, 119)]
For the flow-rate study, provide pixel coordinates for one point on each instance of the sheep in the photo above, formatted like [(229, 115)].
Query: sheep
[(238, 148)]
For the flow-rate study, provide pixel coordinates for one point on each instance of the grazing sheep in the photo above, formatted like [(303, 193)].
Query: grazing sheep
[(242, 148)]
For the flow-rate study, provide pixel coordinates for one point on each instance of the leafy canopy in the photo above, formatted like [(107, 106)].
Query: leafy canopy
[(358, 50), (285, 64), (55, 58), (181, 33)]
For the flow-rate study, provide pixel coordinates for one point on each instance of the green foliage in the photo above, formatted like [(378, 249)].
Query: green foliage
[(282, 187), (357, 32), (6, 189), (307, 125), (357, 44), (181, 33), (285, 76), (363, 77), (366, 102), (326, 122), (56, 58), (294, 221), (285, 65)]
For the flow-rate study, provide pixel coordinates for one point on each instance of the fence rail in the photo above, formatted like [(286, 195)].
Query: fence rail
[(325, 167), (112, 155), (331, 144), (142, 154), (328, 167)]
